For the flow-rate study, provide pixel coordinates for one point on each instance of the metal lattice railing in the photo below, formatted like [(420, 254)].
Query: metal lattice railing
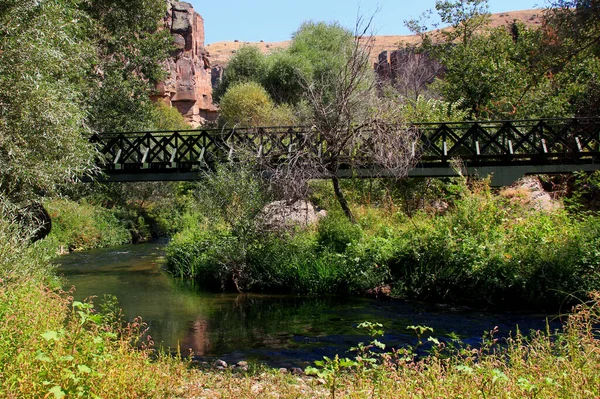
[(522, 142)]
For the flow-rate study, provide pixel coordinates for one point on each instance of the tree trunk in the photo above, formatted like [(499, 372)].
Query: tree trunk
[(341, 198)]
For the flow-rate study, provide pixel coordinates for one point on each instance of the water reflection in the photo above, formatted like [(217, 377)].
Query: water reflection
[(279, 330)]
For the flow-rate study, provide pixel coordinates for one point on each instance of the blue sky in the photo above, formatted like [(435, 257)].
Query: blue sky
[(272, 20)]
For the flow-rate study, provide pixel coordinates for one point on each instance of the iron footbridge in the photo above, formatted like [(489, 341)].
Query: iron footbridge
[(506, 150)]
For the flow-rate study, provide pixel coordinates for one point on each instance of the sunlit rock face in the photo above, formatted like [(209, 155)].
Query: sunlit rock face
[(188, 84)]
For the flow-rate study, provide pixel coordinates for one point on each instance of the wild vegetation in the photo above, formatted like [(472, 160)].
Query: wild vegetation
[(70, 68), (484, 250), (71, 350)]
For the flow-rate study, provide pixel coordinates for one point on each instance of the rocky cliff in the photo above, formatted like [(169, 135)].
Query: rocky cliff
[(188, 86)]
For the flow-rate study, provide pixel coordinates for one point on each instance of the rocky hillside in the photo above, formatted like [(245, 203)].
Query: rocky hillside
[(195, 68), (221, 52)]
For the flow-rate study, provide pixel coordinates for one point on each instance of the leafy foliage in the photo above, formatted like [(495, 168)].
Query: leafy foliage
[(246, 104), (247, 65), (43, 61), (515, 73), (68, 68)]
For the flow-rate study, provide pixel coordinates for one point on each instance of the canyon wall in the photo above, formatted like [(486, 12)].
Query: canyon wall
[(188, 86)]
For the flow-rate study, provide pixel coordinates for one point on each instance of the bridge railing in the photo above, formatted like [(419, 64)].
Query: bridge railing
[(524, 141), (529, 142)]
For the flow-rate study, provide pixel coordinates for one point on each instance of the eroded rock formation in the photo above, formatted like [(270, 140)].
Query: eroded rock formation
[(188, 86), (408, 70)]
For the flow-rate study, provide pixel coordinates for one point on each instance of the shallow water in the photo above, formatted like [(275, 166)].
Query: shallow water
[(282, 331)]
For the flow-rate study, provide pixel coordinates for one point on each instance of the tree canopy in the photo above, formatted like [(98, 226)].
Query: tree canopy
[(68, 68), (517, 71)]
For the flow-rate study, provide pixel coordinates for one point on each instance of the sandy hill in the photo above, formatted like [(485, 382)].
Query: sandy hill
[(221, 52)]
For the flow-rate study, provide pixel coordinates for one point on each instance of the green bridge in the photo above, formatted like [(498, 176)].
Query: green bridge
[(507, 150)]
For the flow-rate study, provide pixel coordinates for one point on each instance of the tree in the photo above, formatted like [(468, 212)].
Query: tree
[(572, 38), (131, 48), (68, 68), (247, 65), (348, 120), (283, 77), (44, 61), (505, 72)]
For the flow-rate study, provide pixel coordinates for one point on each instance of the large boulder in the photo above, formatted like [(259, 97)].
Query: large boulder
[(530, 193), (279, 215)]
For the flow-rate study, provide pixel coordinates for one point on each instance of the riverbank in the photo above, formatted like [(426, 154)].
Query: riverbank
[(476, 248), (67, 350), (53, 346)]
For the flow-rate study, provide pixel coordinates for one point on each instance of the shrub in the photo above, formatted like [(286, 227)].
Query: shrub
[(246, 104), (484, 252), (164, 117), (84, 226)]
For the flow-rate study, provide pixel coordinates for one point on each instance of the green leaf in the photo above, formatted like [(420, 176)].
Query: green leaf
[(57, 392), (84, 369), (465, 369), (50, 335), (378, 344), (42, 357)]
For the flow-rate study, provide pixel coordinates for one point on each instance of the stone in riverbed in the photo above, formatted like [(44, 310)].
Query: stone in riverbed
[(243, 366), (220, 364)]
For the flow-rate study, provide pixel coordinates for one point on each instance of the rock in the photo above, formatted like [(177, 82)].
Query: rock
[(530, 193), (179, 41), (188, 86), (220, 364), (216, 75), (243, 366), (279, 215), (380, 292), (297, 371), (182, 23), (283, 370)]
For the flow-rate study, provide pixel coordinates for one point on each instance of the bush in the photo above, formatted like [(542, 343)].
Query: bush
[(164, 117), (84, 226), (485, 253), (246, 104), (336, 232)]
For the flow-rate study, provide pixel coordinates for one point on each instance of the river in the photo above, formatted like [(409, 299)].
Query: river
[(281, 331)]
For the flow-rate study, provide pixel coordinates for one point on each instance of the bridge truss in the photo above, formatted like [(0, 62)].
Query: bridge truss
[(505, 149)]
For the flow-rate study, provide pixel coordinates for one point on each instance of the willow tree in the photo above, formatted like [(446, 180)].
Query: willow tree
[(44, 61)]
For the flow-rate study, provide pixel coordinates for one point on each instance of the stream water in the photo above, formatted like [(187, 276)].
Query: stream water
[(281, 331)]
